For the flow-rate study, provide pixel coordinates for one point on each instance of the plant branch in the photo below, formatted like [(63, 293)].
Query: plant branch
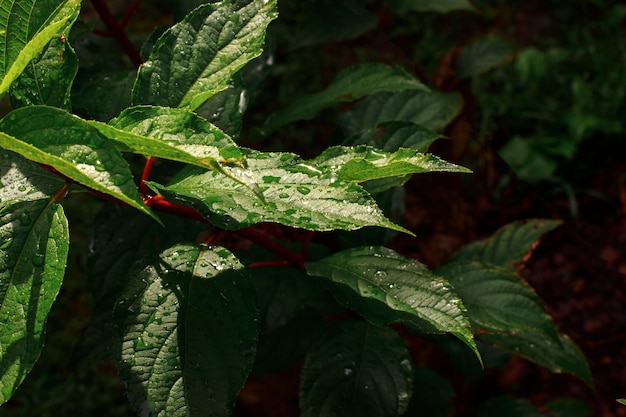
[(116, 30), (145, 175)]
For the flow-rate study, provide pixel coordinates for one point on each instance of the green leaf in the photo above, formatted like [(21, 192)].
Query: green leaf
[(349, 85), (70, 145), (357, 370), (508, 245), (433, 395), (102, 94), (513, 407), (175, 134), (296, 194), (25, 29), (363, 163), (568, 407), (381, 276), (48, 78), (189, 323), (481, 56), (497, 300), (432, 110), (196, 58), (34, 242), (622, 401), (23, 180), (561, 356), (441, 6), (391, 136)]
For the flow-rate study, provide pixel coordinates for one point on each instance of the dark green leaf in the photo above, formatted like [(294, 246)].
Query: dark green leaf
[(441, 6), (562, 356), (568, 407), (70, 145), (508, 245), (23, 180), (504, 406), (189, 324), (25, 29), (34, 243), (296, 194), (497, 300), (432, 395), (482, 55), (357, 370), (391, 136), (197, 58), (102, 94), (403, 285), (349, 85), (431, 110)]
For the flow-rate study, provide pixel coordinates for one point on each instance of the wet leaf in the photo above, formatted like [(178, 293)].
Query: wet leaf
[(357, 370), (391, 136)]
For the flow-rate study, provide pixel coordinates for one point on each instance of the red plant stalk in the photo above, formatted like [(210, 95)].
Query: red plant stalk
[(116, 30)]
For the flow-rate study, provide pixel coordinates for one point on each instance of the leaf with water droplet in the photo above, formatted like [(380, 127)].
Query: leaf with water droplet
[(203, 340), (32, 262), (357, 369)]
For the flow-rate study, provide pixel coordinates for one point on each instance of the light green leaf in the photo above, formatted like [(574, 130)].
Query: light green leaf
[(175, 134), (189, 323), (357, 370), (497, 300), (622, 401), (349, 85), (432, 110), (561, 356), (196, 58), (26, 26), (441, 6), (48, 78), (508, 245), (364, 163), (296, 194), (23, 180), (391, 136), (51, 136), (34, 242), (402, 285), (481, 56)]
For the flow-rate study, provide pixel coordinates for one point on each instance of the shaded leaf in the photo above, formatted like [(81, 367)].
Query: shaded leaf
[(432, 110), (514, 407), (189, 324), (433, 395), (441, 6), (357, 370), (481, 56), (25, 29), (568, 407), (391, 136), (349, 84), (196, 58), (400, 284), (507, 245), (34, 242), (103, 94), (295, 194)]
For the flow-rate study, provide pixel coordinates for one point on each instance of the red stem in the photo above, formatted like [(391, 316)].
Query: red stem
[(61, 193), (145, 175), (116, 30)]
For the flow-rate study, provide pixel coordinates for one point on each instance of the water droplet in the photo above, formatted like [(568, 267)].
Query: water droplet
[(6, 244), (382, 274), (21, 188), (38, 259), (303, 190), (283, 195), (347, 372)]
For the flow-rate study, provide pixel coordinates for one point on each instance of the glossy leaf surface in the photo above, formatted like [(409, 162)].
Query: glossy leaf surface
[(295, 194), (404, 285), (23, 180), (34, 242), (350, 84), (357, 370), (189, 324), (196, 58), (53, 137), (390, 136)]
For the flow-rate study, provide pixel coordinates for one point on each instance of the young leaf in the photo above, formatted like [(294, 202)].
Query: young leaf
[(34, 242), (561, 356), (357, 370), (497, 300), (296, 194), (48, 78), (350, 84), (403, 285), (441, 6), (363, 163), (431, 110), (25, 29), (189, 324), (53, 137), (508, 245), (481, 56), (23, 180), (175, 134), (197, 57), (391, 136)]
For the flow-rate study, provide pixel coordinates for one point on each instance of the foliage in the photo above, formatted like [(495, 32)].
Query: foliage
[(186, 308)]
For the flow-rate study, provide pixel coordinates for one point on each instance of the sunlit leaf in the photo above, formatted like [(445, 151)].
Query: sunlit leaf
[(357, 370), (189, 324), (34, 244)]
